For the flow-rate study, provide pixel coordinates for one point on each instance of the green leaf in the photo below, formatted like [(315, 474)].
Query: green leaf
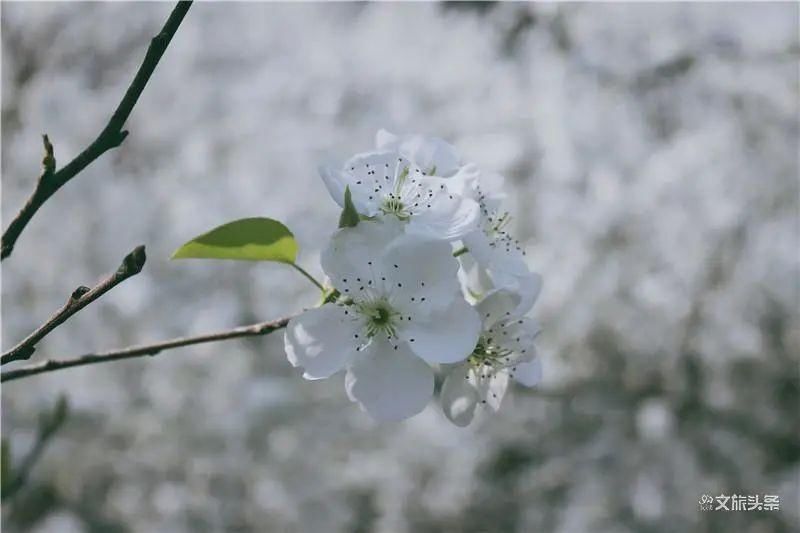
[(248, 239), (349, 217)]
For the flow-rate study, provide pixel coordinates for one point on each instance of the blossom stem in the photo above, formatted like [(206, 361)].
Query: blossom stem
[(460, 251), (308, 276)]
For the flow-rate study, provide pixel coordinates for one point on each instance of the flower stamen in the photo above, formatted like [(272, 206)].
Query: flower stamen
[(489, 356), (379, 317), (393, 203)]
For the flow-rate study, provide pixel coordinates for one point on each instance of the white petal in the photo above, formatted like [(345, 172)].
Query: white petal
[(442, 212), (459, 397), (506, 267), (320, 341), (446, 336), (352, 259), (466, 182), (371, 177), (526, 286), (502, 326), (335, 181), (497, 305), (389, 384), (420, 274), (431, 154), (479, 247), (365, 201), (529, 374), (385, 140), (516, 334), (496, 255), (475, 280), (491, 386), (428, 153), (490, 191)]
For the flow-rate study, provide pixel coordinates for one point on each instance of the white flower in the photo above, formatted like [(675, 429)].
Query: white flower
[(403, 310), (387, 184), (432, 154), (505, 350), (495, 251)]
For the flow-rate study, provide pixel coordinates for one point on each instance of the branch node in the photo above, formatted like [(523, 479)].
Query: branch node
[(49, 159), (25, 353), (119, 137), (79, 292)]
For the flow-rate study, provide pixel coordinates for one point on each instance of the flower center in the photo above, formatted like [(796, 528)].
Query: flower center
[(379, 317), (489, 355), (392, 205)]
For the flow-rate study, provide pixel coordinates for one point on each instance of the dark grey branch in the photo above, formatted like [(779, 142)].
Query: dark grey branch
[(80, 298), (112, 135), (253, 330)]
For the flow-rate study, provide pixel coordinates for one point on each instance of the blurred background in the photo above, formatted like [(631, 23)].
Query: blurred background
[(651, 158)]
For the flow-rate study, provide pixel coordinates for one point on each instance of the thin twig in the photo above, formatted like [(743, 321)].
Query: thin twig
[(112, 135), (80, 298), (49, 424), (253, 330)]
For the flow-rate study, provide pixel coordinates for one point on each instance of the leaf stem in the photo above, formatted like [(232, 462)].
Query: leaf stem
[(308, 276)]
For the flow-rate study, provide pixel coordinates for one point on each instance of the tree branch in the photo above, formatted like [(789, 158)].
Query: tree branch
[(112, 135), (49, 424), (80, 298), (253, 330)]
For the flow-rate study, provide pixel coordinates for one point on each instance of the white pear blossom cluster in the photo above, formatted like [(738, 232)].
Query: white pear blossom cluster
[(427, 278)]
